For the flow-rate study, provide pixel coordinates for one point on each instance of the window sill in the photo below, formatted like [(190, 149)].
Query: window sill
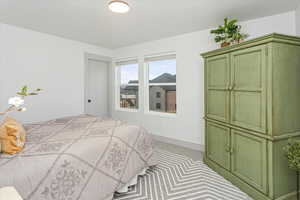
[(162, 114), (127, 110)]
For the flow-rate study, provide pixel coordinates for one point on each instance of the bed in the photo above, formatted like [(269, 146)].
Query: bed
[(78, 158)]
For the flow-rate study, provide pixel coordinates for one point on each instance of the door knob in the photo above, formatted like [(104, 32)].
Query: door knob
[(89, 101)]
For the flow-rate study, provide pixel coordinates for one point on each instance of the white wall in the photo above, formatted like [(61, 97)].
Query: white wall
[(49, 62), (188, 125), (297, 13)]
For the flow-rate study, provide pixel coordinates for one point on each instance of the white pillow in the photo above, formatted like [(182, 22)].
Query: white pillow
[(9, 193)]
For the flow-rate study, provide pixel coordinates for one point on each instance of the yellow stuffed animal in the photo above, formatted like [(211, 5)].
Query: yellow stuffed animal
[(12, 136)]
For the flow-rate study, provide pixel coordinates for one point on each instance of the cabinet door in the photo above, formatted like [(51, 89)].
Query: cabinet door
[(248, 88), (217, 83), (217, 144), (249, 159)]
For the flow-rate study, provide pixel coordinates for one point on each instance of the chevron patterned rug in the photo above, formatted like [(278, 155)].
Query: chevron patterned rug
[(178, 177)]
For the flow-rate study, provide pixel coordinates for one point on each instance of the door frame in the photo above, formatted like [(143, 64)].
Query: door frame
[(100, 58)]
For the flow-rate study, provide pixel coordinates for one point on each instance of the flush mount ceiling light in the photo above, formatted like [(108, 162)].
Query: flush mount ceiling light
[(118, 6)]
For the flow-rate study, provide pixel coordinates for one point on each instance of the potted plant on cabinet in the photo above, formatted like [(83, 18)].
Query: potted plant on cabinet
[(292, 152), (228, 33)]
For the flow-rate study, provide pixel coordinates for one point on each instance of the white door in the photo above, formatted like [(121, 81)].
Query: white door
[(96, 102)]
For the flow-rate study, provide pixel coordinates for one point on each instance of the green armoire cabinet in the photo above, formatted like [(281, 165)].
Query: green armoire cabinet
[(252, 108)]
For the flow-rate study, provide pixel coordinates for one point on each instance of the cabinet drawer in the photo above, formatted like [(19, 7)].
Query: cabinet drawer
[(217, 144), (249, 159)]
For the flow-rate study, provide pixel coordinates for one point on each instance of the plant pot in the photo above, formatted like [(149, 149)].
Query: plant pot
[(225, 44)]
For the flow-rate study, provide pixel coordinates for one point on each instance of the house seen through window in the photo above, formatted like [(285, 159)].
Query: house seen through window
[(128, 80), (162, 83)]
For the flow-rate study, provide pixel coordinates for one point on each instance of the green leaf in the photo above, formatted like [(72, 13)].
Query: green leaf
[(219, 39), (21, 93), (232, 22), (24, 89), (225, 21), (292, 152)]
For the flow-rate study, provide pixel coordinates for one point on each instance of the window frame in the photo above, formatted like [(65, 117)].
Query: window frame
[(146, 85), (118, 64)]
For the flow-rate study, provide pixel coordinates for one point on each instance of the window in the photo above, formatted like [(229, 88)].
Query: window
[(157, 94), (128, 84), (161, 83), (158, 106)]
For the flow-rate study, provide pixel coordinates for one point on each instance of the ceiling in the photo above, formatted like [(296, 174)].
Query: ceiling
[(90, 21)]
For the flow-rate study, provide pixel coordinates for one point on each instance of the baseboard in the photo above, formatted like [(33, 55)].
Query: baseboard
[(189, 145)]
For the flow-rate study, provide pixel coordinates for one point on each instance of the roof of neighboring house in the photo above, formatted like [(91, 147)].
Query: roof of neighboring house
[(133, 81), (129, 90), (164, 78)]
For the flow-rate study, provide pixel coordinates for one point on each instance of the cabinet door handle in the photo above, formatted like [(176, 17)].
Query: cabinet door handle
[(231, 150), (228, 87), (227, 148), (231, 87)]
